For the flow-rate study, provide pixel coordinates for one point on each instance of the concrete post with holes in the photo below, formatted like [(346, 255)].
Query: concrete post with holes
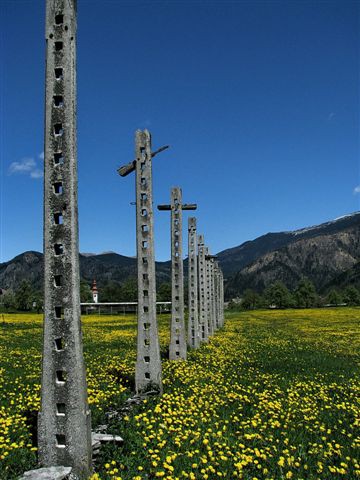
[(193, 322), (222, 318), (217, 294), (148, 372), (209, 296), (177, 348), (148, 375), (203, 323), (64, 433)]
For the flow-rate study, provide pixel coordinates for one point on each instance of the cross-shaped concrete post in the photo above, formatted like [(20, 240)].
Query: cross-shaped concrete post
[(193, 322), (177, 349), (148, 364)]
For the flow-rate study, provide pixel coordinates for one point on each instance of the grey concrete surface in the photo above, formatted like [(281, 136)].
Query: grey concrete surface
[(64, 433)]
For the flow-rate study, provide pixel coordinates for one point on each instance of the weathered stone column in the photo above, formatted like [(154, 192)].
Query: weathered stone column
[(148, 374), (64, 434), (203, 323), (193, 322), (209, 296), (177, 348), (217, 295), (222, 317)]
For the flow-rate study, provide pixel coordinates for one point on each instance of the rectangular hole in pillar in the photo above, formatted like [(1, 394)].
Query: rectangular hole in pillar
[(176, 244), (177, 331), (176, 254), (144, 197), (58, 188), (145, 276), (144, 228), (59, 344), (177, 353), (58, 101), (58, 312), (60, 409), (58, 280), (147, 342), (177, 342), (143, 181), (144, 260), (58, 46), (58, 218), (142, 166), (59, 73), (177, 320), (176, 297), (60, 441), (59, 248), (58, 158), (146, 309), (146, 326), (145, 244), (144, 212), (58, 129), (146, 293), (59, 19), (147, 359), (60, 376), (147, 375)]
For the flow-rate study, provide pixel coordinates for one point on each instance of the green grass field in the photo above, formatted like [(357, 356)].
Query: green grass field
[(274, 395)]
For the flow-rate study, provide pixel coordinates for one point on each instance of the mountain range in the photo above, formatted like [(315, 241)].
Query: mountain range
[(327, 254)]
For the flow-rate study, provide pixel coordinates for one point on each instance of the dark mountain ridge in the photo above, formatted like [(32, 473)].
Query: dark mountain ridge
[(234, 259), (323, 253)]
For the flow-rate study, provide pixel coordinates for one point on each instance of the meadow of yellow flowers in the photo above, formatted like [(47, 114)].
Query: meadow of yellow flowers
[(274, 395)]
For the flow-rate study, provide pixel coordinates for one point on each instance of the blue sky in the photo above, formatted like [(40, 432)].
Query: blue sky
[(258, 100)]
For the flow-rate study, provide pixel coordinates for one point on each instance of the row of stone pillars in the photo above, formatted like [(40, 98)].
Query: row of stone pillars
[(205, 280), (64, 427)]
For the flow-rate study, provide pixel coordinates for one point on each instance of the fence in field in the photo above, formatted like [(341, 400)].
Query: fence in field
[(113, 308)]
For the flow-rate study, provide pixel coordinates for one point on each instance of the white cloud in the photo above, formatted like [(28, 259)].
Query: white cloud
[(37, 173), (26, 166), (356, 190)]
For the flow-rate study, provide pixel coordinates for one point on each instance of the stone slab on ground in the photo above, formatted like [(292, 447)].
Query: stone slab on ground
[(49, 473), (105, 438)]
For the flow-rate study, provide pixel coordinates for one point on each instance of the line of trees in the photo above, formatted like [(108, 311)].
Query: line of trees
[(24, 299), (277, 295)]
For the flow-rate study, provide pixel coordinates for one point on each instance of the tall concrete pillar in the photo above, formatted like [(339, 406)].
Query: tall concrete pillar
[(203, 323), (177, 349), (217, 295), (64, 434), (222, 318), (208, 291), (148, 373), (193, 322)]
